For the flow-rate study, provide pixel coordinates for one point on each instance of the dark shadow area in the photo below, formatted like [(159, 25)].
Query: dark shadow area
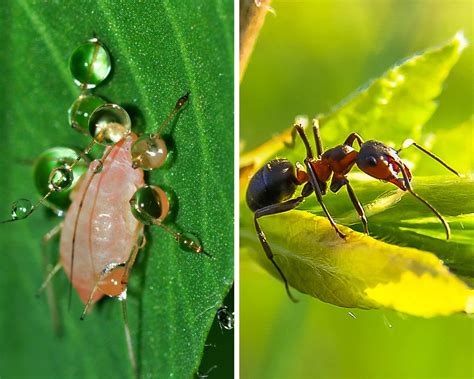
[(218, 359)]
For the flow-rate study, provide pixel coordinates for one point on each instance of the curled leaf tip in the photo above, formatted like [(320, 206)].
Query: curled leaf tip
[(461, 40)]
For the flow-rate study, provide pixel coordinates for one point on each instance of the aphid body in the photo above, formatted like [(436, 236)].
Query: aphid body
[(99, 225)]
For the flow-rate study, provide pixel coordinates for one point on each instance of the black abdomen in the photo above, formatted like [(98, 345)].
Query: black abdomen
[(273, 183)]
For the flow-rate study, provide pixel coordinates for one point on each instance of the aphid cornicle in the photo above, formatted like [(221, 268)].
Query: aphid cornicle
[(271, 189), (102, 231)]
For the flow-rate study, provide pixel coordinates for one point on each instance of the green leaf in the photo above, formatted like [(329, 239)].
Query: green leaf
[(159, 51), (364, 272), (400, 101)]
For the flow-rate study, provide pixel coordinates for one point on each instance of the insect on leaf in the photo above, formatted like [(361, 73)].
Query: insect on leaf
[(364, 272)]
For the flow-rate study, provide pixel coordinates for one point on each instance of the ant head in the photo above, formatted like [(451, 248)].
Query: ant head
[(382, 162)]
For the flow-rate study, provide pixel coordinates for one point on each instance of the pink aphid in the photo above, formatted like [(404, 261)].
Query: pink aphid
[(100, 231)]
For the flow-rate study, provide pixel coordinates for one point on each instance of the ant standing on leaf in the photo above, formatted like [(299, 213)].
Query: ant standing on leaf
[(271, 189), (102, 231)]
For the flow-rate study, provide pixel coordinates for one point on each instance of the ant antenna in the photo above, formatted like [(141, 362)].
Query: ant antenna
[(433, 209), (410, 142)]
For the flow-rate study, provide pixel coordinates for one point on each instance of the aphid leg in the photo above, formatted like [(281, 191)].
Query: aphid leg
[(410, 142), (185, 240), (358, 207), (353, 137), (269, 210), (49, 275), (314, 180), (317, 138), (89, 300), (405, 174), (179, 105), (128, 336)]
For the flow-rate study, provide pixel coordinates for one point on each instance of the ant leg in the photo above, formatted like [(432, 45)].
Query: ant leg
[(269, 210), (410, 142), (358, 207), (309, 151), (317, 138), (314, 180), (317, 190), (353, 137)]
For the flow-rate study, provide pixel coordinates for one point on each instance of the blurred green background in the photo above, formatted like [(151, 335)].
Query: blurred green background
[(310, 56)]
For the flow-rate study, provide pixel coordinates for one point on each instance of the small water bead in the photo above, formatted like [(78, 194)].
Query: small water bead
[(225, 318), (61, 178), (80, 111), (149, 205), (109, 124), (149, 152), (189, 242), (90, 64), (21, 209)]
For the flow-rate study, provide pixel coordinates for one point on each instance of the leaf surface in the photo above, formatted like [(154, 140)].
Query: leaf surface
[(159, 50)]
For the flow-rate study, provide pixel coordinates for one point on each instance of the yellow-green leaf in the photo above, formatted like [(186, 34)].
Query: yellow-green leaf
[(359, 272)]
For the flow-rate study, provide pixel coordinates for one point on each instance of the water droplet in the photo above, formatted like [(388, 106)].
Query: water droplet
[(149, 205), (109, 124), (189, 242), (21, 209), (149, 152), (90, 64), (225, 318), (80, 112), (61, 178)]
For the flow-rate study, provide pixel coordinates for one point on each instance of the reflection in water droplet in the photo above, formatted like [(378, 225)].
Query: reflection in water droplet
[(205, 374), (225, 318), (21, 209), (352, 315), (387, 323)]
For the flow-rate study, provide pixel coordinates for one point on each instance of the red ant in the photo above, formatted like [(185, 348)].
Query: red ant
[(272, 186)]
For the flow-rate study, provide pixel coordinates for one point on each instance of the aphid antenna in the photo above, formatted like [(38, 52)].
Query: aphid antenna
[(179, 105)]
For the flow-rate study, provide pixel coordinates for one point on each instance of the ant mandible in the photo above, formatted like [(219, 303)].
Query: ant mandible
[(271, 188)]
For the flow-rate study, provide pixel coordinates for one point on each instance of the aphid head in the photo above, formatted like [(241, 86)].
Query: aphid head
[(382, 162)]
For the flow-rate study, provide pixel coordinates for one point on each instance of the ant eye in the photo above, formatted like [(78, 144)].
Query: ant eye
[(371, 161)]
